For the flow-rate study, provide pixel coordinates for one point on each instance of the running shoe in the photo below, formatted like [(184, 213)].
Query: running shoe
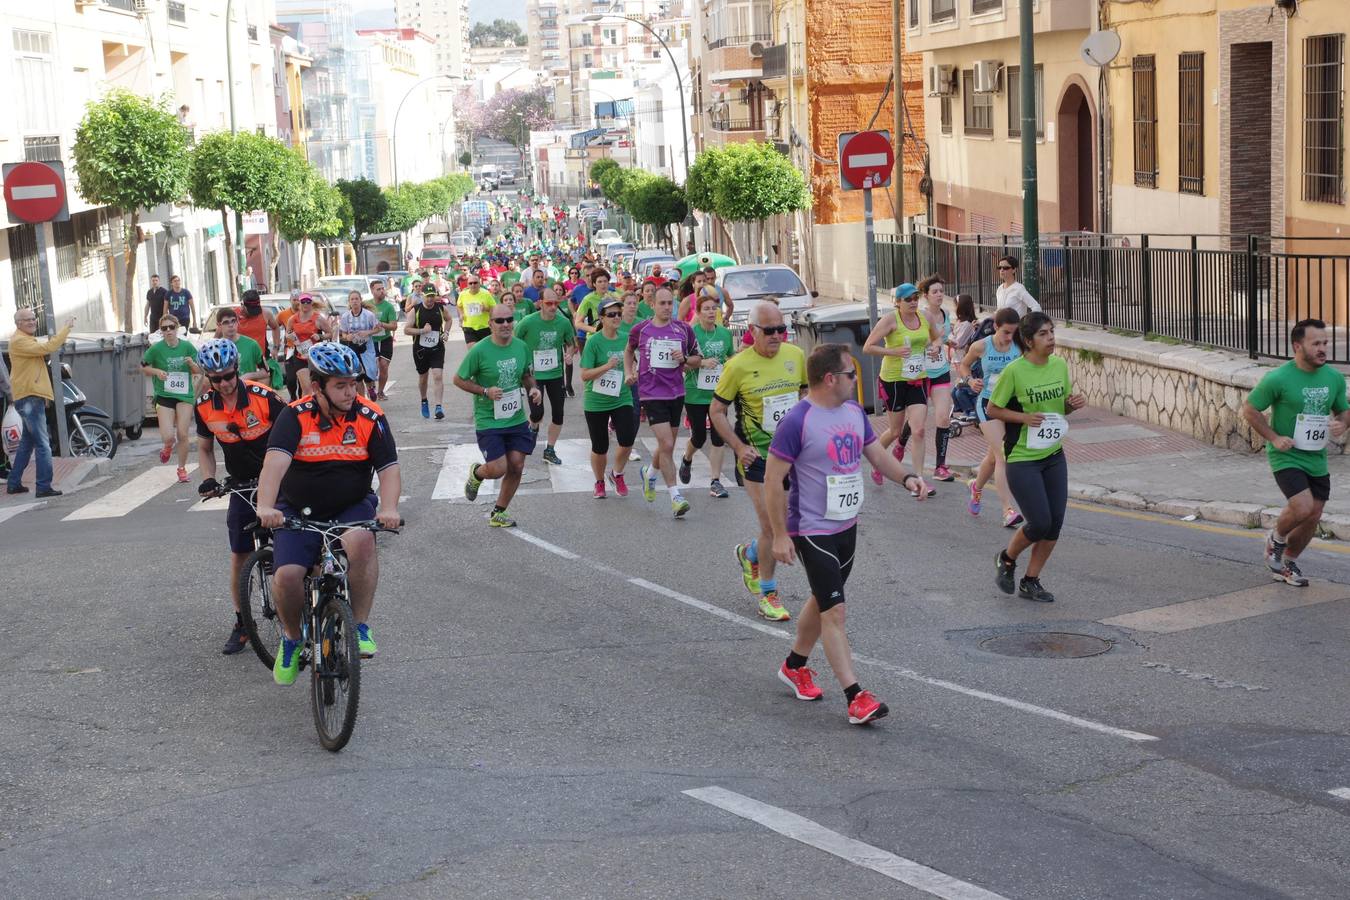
[(426, 410), (679, 507), (634, 455), (802, 681), (716, 490), (472, 485), (942, 473), (974, 505), (1030, 589), (287, 664), (898, 451), (749, 570), (570, 392), (440, 413), (237, 640), (923, 486), (647, 475), (1011, 518), (771, 608), (1006, 571), (1274, 553), (500, 519), (866, 708), (686, 471), (182, 475), (165, 453), (620, 486), (599, 490), (551, 456), (1291, 574), (877, 478), (365, 644)]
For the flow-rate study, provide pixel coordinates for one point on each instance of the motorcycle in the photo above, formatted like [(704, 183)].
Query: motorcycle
[(91, 435)]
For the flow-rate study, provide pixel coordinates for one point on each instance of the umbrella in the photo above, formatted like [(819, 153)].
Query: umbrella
[(687, 265)]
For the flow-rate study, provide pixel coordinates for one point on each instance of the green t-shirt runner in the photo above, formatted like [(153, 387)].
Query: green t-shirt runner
[(588, 310), (1026, 387), (489, 365), (598, 396), (386, 313), (716, 344), (644, 311), (523, 308), (1293, 394), (173, 360), (546, 340), (250, 355)]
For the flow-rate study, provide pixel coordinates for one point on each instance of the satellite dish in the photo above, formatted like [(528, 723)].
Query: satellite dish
[(1100, 48)]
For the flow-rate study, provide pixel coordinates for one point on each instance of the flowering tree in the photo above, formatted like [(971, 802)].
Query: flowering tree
[(513, 114)]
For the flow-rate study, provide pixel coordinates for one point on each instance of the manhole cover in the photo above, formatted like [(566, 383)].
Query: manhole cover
[(1047, 645)]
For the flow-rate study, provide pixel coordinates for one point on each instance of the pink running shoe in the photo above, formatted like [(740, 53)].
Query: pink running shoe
[(599, 490), (974, 505), (620, 487), (877, 478), (942, 473)]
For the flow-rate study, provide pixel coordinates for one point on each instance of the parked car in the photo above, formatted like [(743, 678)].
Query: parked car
[(746, 285), (272, 304), (604, 237), (436, 256), (644, 260), (507, 177), (616, 249), (337, 287), (463, 242)]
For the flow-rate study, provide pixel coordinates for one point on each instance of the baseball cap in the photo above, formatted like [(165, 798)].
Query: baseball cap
[(905, 290)]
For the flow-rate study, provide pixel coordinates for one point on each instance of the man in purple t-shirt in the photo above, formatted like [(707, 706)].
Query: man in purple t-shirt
[(821, 443), (659, 351)]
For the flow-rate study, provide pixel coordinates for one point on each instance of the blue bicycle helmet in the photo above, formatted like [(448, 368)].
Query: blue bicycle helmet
[(329, 359), (218, 355)]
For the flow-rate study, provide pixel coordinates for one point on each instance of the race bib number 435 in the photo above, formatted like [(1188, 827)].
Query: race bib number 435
[(1049, 433)]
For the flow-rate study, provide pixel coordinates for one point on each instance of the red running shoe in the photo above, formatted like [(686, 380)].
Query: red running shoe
[(866, 708), (620, 486), (898, 451), (802, 682)]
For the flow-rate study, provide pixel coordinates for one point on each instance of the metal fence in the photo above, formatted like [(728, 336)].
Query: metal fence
[(1234, 293)]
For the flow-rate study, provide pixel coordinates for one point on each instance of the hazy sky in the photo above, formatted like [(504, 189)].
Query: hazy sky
[(380, 13)]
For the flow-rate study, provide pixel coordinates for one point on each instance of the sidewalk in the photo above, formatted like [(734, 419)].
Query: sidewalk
[(1122, 462), (68, 473)]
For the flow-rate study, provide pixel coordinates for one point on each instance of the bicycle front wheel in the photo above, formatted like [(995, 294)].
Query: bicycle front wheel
[(255, 605), (335, 679)]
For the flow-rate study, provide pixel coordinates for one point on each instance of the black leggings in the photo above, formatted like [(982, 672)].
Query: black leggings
[(699, 427), (625, 428), (1041, 489), (553, 389)]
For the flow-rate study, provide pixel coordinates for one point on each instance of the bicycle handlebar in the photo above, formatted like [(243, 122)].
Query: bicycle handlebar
[(322, 526)]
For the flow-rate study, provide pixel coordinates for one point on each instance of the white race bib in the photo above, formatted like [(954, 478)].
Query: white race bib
[(473, 309), (430, 339), (708, 378), (303, 347), (915, 367), (662, 354), (177, 383), (775, 408), (1049, 433), (843, 496), (990, 383), (1311, 432), (509, 405), (546, 360), (610, 383)]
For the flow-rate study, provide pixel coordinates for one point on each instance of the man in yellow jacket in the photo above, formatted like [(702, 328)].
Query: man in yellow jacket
[(32, 388)]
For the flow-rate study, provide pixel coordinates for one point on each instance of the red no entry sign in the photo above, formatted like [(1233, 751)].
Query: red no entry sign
[(36, 191), (865, 159)]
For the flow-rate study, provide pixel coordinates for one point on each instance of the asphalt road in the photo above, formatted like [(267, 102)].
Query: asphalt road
[(545, 699)]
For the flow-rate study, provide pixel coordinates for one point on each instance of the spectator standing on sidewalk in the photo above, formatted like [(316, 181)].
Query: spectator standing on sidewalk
[(155, 299), (6, 394), (32, 391), (180, 303), (1010, 292)]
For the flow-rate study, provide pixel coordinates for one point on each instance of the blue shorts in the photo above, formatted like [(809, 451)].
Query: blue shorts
[(497, 442), (240, 515), (980, 406), (301, 548)]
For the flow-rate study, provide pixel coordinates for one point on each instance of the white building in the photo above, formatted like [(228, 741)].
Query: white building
[(447, 21), (58, 57), (399, 63)]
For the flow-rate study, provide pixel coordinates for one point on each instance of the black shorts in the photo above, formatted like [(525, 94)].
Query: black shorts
[(384, 349), (294, 365), (827, 560), (664, 412), (756, 471), (239, 515), (1295, 481), (937, 381), (625, 428), (700, 428), (498, 442), (301, 548), (170, 402), (552, 388), (428, 358), (472, 335), (897, 396)]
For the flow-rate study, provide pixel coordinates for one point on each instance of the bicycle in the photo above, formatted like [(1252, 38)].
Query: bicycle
[(255, 585), (328, 631)]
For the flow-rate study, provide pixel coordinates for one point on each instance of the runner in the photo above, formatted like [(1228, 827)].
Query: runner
[(305, 329), (715, 345), (475, 307), (355, 327), (764, 382), (549, 337), (820, 445), (589, 308), (938, 368), (660, 351), (1033, 396), (386, 314), (497, 372), (607, 400), (428, 326), (250, 356), (900, 338), (322, 453), (1308, 405), (993, 353), (239, 414), (171, 363), (258, 323)]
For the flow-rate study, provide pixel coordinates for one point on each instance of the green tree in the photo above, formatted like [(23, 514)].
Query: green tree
[(130, 152), (600, 167), (498, 33), (466, 159), (657, 202), (703, 176), (746, 183), (317, 214), (368, 204)]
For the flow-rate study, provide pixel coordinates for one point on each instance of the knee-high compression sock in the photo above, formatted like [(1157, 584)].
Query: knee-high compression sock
[(904, 435), (940, 439)]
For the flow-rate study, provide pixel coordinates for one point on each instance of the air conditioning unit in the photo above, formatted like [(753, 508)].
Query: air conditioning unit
[(941, 81), (756, 49), (142, 7), (986, 76)]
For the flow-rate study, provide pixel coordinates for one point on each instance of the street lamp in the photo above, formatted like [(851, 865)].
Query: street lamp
[(393, 137)]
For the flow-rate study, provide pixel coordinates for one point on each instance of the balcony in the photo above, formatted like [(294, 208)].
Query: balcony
[(723, 132), (775, 61), (729, 59)]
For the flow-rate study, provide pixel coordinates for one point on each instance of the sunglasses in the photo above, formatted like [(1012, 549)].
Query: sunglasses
[(167, 328), (217, 379), (611, 315), (1005, 268), (773, 329), (306, 302), (851, 373), (502, 321)]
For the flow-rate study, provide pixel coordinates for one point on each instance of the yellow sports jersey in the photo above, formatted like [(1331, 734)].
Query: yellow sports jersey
[(475, 309), (762, 389)]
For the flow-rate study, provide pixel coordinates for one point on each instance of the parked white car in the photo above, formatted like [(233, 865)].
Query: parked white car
[(747, 285), (604, 237)]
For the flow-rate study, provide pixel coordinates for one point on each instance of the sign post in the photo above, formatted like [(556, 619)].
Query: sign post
[(35, 193), (865, 162)]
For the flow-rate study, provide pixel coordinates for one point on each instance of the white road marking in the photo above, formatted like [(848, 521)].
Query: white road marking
[(126, 498), (212, 504), (813, 834), (745, 621), (1231, 607), (389, 384), (9, 512), (455, 470), (1342, 793)]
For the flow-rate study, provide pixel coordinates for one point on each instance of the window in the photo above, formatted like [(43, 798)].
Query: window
[(913, 13), (1145, 122), (1324, 119), (978, 109), (35, 72), (946, 104), (1015, 101), (1191, 134), (985, 6), (942, 11)]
